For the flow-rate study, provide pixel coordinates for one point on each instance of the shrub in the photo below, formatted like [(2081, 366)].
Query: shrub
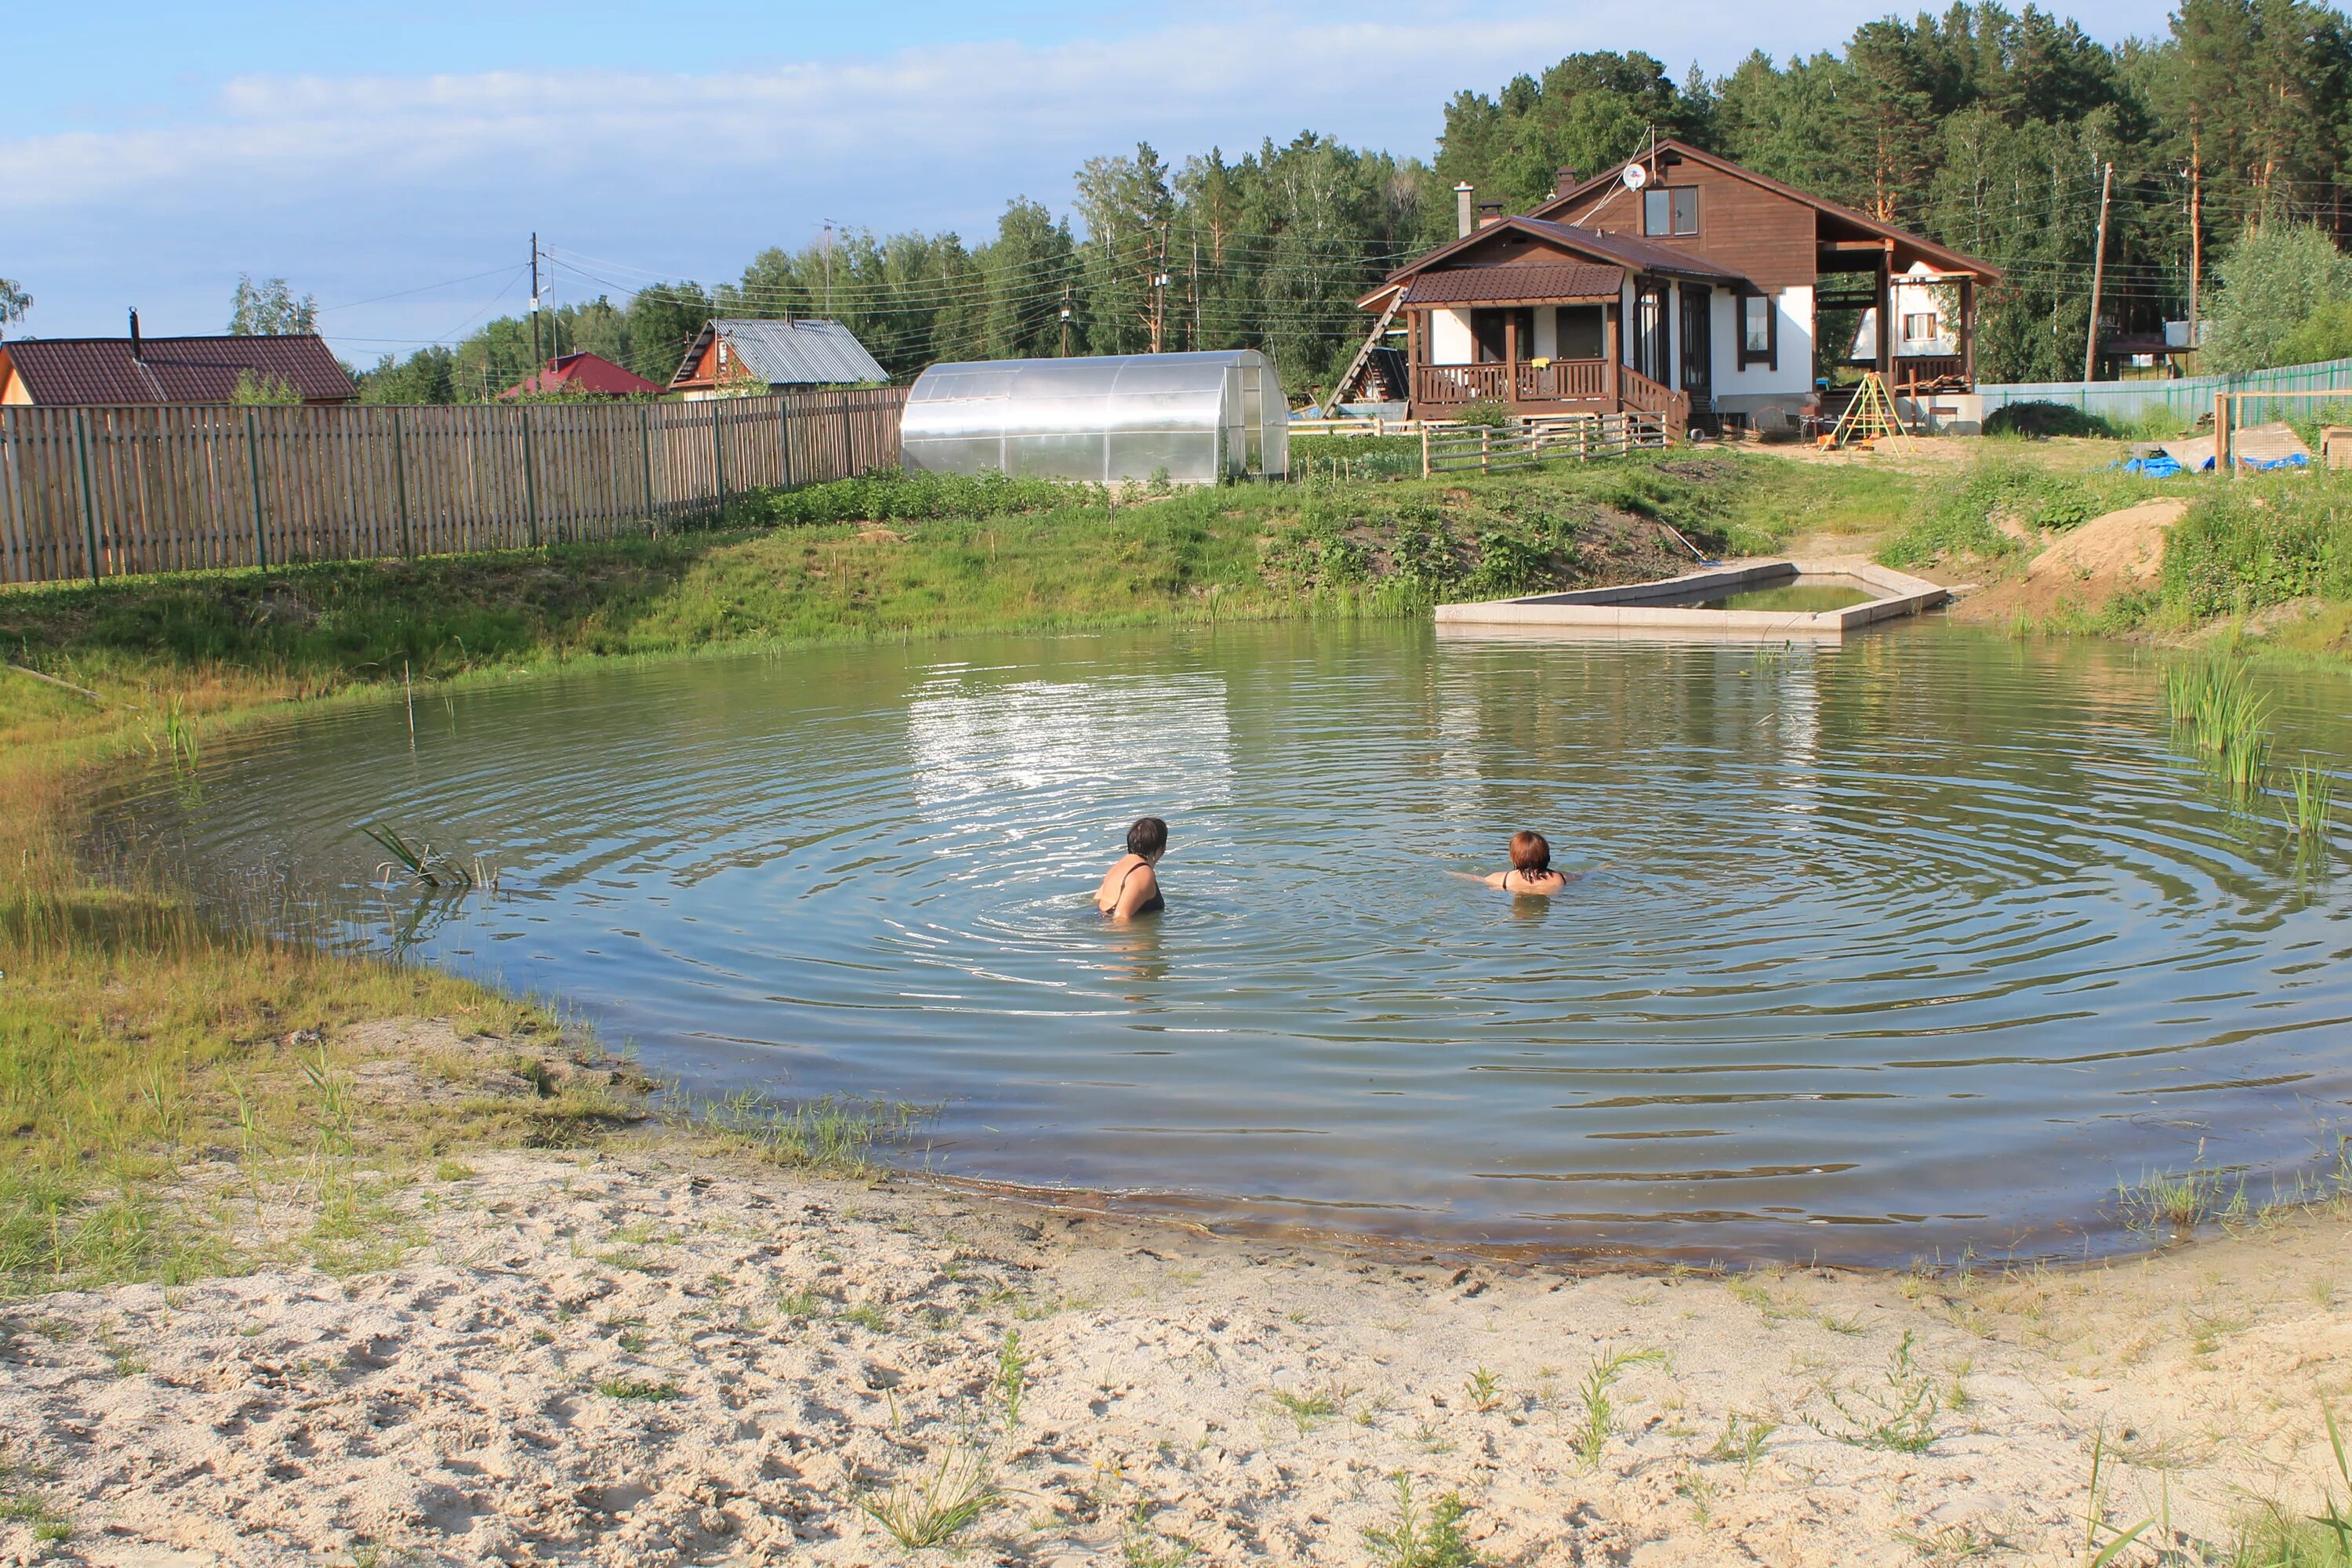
[(2036, 421), (893, 495), (1355, 456), (2275, 282), (2258, 544), (1489, 412)]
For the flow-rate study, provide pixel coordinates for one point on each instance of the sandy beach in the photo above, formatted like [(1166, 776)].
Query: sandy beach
[(644, 1353)]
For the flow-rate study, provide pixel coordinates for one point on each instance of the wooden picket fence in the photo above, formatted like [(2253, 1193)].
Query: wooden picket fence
[(103, 492)]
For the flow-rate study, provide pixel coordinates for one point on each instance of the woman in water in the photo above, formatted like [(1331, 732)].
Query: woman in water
[(1530, 870), (1130, 887)]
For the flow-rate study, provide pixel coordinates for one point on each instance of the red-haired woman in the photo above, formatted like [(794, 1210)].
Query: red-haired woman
[(1530, 871)]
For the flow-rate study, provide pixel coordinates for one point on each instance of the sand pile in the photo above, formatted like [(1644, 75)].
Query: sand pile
[(636, 1360), (2086, 569)]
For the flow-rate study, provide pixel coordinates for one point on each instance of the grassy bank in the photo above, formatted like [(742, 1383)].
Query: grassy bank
[(134, 1038)]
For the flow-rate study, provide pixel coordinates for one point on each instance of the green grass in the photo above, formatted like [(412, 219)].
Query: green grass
[(1418, 1540), (1598, 1414), (2261, 541), (1961, 518), (639, 1391), (922, 1514)]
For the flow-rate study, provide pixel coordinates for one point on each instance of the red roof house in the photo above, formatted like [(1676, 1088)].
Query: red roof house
[(64, 372), (584, 375)]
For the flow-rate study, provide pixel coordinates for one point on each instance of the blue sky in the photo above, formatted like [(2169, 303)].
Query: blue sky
[(392, 158)]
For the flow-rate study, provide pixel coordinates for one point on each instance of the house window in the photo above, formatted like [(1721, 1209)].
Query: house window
[(1920, 327), (1670, 209), (1760, 331)]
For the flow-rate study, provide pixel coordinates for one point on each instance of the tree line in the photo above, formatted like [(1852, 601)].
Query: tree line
[(1982, 128)]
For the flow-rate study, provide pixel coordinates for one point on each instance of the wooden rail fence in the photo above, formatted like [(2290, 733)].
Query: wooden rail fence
[(1454, 448), (101, 493)]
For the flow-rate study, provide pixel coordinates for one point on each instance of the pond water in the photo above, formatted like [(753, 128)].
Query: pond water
[(1803, 595), (1876, 952)]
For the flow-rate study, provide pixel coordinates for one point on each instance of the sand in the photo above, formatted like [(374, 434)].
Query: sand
[(648, 1356), (2086, 569)]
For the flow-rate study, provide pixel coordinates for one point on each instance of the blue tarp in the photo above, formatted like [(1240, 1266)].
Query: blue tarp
[(2160, 467), (2292, 460)]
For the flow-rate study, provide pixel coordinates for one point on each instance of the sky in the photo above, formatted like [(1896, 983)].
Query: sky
[(393, 159)]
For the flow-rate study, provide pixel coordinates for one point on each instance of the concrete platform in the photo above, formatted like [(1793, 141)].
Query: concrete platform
[(1633, 610)]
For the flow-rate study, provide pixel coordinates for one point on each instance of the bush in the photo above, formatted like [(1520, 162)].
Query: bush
[(1355, 456), (2261, 543), (2274, 281), (891, 495), (2036, 421), (1489, 412)]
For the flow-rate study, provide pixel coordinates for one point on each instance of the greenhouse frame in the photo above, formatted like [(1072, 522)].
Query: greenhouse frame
[(1194, 418)]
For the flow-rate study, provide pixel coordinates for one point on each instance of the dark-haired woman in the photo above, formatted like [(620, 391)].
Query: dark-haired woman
[(1131, 887), (1530, 870)]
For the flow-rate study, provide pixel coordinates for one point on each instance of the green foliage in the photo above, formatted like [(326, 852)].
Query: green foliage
[(2274, 281), (1490, 413), (2261, 541), (263, 391), (1354, 457), (893, 495), (1964, 519), (269, 309), (1599, 1417), (2324, 334), (1584, 113), (1415, 1541), (1899, 1413), (2036, 421), (14, 301)]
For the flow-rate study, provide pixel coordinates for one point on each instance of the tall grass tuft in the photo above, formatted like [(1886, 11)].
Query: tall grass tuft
[(2310, 803), (430, 867), (935, 1511), (2217, 713), (1600, 1412)]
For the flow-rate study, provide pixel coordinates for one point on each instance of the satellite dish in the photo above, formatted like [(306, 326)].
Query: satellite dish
[(1636, 176)]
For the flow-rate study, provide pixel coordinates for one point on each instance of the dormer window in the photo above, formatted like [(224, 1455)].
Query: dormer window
[(1670, 210)]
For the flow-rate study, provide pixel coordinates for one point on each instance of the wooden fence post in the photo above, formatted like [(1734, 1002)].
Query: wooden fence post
[(646, 456), (400, 484), (529, 479), (784, 435), (88, 495), (2221, 432), (1424, 450), (253, 463), (1485, 446), (718, 456)]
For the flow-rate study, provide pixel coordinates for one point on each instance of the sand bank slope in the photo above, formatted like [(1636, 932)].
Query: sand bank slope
[(632, 1359)]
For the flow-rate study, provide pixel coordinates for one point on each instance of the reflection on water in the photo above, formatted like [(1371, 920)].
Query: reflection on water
[(1881, 950)]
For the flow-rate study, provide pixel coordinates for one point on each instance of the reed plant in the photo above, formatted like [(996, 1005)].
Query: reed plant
[(2219, 716), (2310, 803)]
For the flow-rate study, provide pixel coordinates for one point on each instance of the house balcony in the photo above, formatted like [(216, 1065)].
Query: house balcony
[(1557, 387)]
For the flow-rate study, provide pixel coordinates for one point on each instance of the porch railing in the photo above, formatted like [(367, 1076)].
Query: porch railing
[(1939, 371), (1638, 391), (1560, 381)]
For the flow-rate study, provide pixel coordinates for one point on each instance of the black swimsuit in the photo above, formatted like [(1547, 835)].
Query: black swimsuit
[(1514, 871), (1151, 906)]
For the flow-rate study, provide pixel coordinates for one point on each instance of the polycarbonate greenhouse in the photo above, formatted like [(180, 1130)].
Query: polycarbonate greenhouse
[(1199, 417)]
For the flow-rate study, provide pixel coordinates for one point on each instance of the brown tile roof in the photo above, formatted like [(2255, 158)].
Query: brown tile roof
[(1516, 283), (584, 373), (68, 371), (1639, 255)]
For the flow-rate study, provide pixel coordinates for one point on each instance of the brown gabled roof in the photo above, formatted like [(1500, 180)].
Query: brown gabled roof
[(1622, 251), (1519, 284), (584, 373), (1944, 257), (99, 371)]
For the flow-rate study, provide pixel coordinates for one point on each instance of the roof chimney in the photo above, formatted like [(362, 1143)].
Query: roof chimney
[(1563, 181), (1489, 214), (1462, 194), (134, 331)]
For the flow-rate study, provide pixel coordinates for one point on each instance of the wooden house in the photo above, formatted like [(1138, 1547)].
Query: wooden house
[(1691, 289), (732, 357)]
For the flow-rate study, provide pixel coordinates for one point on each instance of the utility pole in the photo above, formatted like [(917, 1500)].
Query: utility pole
[(1066, 320), (1159, 293), (2098, 277), (2196, 233), (1196, 291), (537, 363)]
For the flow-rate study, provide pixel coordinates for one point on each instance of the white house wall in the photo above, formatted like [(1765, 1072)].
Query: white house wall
[(1546, 331), (1784, 383), (1449, 338)]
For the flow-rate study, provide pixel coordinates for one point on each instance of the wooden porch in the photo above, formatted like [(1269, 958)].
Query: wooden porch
[(1550, 387)]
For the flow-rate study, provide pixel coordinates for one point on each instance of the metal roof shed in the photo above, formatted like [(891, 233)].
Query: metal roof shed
[(1199, 417)]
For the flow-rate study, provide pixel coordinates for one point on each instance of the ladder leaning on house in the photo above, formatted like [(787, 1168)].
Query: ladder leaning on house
[(1355, 370)]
